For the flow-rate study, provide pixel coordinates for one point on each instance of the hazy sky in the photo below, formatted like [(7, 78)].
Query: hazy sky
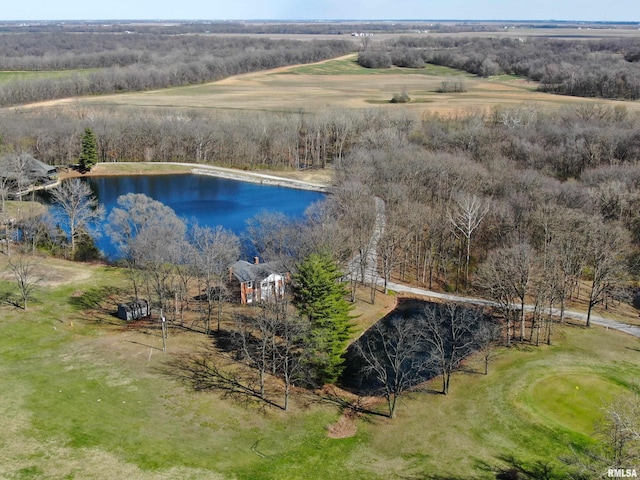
[(598, 10)]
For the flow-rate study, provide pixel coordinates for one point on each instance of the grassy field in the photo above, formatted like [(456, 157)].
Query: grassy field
[(10, 76), (348, 65), (85, 397), (19, 210), (341, 83), (133, 168)]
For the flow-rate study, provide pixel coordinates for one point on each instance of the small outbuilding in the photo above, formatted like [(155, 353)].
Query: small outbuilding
[(133, 310)]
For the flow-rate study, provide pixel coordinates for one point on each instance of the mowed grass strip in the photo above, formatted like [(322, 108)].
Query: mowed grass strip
[(12, 76), (349, 66), (573, 401)]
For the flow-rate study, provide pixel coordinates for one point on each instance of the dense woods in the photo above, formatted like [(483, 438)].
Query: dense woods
[(604, 68), (467, 210), (561, 145)]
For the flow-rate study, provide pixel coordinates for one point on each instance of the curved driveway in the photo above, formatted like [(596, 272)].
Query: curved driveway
[(595, 319)]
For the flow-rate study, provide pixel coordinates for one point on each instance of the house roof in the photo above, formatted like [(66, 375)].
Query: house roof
[(30, 166), (134, 305), (36, 166), (249, 272)]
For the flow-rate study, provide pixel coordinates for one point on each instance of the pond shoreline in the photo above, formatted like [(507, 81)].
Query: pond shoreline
[(102, 169)]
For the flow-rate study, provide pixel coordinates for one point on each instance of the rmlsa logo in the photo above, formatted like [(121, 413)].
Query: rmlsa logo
[(622, 473)]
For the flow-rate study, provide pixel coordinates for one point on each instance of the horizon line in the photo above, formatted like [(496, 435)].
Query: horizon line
[(326, 20)]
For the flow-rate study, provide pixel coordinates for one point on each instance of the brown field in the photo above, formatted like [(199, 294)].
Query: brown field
[(290, 89)]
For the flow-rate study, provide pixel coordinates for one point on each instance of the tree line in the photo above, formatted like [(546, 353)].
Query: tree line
[(562, 144), (296, 140), (297, 27), (108, 63)]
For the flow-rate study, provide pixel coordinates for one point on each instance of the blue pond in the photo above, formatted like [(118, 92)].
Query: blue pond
[(209, 200)]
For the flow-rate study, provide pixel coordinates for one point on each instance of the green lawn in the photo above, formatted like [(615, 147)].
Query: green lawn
[(83, 397), (10, 76)]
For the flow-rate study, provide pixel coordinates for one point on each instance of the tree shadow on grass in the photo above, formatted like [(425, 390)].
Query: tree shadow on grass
[(517, 469), (10, 298), (513, 470), (100, 303), (346, 401), (214, 369), (468, 370)]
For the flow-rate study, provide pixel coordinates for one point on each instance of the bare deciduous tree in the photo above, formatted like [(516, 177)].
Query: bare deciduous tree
[(466, 217), (608, 244), (34, 229), (274, 237), (272, 343), (146, 233), (157, 250), (619, 430), (505, 277), (215, 249), (79, 208), (255, 336), (452, 331), (389, 246), (24, 271), (486, 336), (395, 356)]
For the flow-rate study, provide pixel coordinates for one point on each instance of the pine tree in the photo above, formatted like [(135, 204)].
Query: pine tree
[(319, 296), (88, 155)]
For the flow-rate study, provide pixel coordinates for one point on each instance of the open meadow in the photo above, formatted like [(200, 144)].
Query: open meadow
[(341, 83), (87, 396)]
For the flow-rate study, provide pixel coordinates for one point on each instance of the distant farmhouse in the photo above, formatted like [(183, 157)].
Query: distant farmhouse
[(256, 282), (23, 172)]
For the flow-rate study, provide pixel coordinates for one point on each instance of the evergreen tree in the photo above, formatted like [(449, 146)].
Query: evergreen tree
[(88, 155), (319, 296)]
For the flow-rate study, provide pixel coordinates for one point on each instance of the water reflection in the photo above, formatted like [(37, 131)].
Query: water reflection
[(208, 200)]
